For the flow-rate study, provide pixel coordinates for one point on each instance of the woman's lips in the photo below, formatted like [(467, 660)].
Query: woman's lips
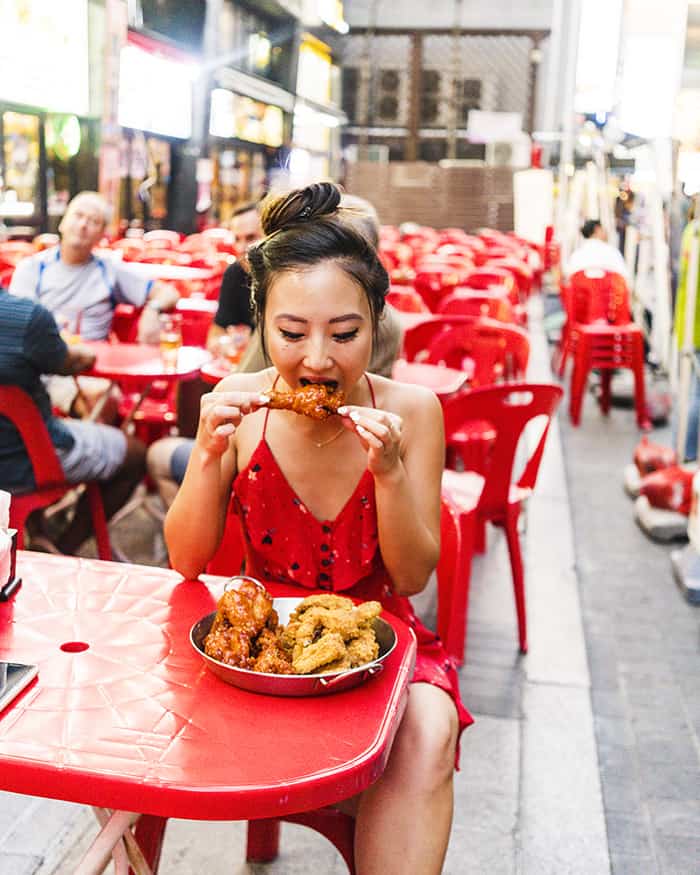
[(315, 381)]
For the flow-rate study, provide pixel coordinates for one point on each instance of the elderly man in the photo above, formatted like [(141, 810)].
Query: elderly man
[(82, 289)]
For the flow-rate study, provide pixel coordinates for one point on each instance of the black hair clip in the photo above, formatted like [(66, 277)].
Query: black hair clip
[(305, 213)]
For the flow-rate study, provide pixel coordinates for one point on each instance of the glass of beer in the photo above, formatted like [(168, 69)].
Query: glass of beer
[(170, 339), (232, 344)]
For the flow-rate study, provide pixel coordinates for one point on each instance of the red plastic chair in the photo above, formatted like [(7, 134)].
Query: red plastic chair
[(17, 406), (417, 340), (436, 283), (125, 323), (508, 409), (197, 316), (499, 351), (6, 277), (467, 302), (486, 277), (45, 241), (600, 335), (163, 238), (457, 529), (406, 300), (165, 256)]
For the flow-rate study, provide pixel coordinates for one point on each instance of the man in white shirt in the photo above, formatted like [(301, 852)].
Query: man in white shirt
[(596, 252), (82, 289)]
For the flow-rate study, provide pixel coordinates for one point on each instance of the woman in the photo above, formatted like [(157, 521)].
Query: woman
[(351, 503)]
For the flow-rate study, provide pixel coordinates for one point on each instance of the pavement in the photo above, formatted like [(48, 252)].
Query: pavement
[(584, 758)]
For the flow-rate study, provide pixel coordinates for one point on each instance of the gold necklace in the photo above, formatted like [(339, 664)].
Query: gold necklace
[(320, 444)]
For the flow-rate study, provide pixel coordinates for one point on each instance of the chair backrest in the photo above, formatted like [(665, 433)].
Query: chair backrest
[(434, 283), (598, 294), (197, 316), (484, 277), (17, 406), (465, 302), (497, 350), (162, 237), (508, 408), (230, 553), (417, 340), (125, 323), (406, 300)]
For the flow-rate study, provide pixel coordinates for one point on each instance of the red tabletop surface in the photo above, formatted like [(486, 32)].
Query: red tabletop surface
[(440, 379), (215, 370), (136, 722), (136, 362)]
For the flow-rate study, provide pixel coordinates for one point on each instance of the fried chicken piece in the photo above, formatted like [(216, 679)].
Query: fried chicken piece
[(363, 649), (316, 400), (270, 656), (342, 664), (317, 621), (247, 608), (313, 658), (321, 600), (366, 612), (229, 645)]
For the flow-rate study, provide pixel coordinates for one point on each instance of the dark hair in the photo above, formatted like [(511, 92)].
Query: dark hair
[(589, 227), (303, 229), (245, 208)]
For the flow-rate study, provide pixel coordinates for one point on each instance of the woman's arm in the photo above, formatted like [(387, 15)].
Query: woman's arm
[(195, 522), (406, 456)]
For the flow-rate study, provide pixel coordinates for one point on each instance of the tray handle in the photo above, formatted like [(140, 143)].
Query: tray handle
[(372, 669)]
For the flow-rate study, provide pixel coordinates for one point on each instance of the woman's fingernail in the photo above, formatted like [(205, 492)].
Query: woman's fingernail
[(264, 399), (355, 416), (342, 411)]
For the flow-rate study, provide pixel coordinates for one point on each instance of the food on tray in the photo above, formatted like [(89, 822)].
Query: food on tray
[(325, 633), (317, 400)]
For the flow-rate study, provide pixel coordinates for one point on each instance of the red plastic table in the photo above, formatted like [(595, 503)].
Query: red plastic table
[(124, 714), (215, 370), (442, 380)]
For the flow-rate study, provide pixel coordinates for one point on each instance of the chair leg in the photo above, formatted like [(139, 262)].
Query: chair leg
[(578, 386), (455, 634), (516, 566), (263, 843), (480, 536), (640, 402), (149, 833), (99, 521)]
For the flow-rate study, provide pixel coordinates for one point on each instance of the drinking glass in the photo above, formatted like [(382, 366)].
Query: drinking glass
[(232, 344), (170, 339)]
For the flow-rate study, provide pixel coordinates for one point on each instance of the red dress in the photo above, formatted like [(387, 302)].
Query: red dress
[(285, 543)]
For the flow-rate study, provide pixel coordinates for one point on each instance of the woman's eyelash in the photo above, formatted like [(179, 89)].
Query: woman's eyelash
[(290, 335), (346, 335)]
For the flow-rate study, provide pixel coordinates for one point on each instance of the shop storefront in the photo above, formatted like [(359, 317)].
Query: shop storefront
[(316, 138), (49, 143), (249, 123), (155, 117)]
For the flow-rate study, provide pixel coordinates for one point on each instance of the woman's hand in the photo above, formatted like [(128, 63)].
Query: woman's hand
[(380, 434), (219, 416)]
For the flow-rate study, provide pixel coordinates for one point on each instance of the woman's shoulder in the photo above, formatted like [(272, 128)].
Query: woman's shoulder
[(406, 399)]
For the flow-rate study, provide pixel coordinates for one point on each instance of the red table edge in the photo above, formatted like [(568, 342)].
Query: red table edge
[(224, 803)]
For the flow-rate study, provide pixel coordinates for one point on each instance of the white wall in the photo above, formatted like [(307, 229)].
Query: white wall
[(535, 14)]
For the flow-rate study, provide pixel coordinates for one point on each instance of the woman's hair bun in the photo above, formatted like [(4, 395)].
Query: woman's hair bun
[(301, 205)]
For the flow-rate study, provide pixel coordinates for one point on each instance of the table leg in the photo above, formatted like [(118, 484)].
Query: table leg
[(148, 836), (263, 841)]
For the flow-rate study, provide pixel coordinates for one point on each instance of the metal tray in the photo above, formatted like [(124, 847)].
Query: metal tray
[(298, 684)]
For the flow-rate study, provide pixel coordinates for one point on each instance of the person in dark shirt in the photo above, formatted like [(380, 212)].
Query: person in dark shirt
[(31, 345), (235, 307)]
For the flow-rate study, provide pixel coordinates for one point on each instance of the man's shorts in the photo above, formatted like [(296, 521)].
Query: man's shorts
[(96, 454)]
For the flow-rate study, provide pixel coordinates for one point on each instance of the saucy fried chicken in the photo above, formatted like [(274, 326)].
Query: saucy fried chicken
[(316, 400), (241, 615)]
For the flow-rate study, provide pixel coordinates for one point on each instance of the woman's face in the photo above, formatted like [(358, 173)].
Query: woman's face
[(318, 327)]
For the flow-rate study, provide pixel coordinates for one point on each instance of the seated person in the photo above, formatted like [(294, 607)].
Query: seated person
[(235, 306), (81, 290), (596, 252), (30, 345), (167, 458)]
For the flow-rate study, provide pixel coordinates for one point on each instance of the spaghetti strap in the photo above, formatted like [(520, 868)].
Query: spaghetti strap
[(371, 390), (267, 410)]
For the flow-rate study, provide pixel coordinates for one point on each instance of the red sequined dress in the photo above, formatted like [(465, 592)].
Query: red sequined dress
[(285, 543)]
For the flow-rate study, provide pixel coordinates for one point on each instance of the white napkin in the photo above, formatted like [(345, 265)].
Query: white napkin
[(4, 509)]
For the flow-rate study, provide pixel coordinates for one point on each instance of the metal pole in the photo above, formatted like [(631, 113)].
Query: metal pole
[(688, 347)]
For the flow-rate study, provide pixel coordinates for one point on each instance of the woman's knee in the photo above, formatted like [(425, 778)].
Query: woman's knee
[(427, 739)]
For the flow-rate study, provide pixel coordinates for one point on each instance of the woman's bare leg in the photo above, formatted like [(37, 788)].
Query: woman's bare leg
[(404, 820), (158, 465)]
